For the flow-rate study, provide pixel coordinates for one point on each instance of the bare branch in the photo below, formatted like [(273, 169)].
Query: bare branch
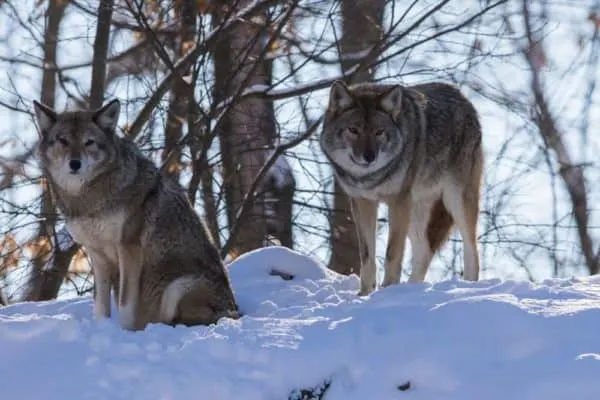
[(251, 194), (105, 9)]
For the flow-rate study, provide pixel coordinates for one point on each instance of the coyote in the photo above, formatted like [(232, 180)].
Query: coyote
[(143, 238), (417, 149)]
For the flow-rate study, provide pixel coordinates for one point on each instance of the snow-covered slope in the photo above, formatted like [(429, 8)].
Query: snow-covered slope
[(451, 340)]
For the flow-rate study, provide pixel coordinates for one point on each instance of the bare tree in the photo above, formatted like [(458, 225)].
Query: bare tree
[(47, 278), (570, 172), (227, 94), (247, 129), (45, 282), (361, 31), (186, 12)]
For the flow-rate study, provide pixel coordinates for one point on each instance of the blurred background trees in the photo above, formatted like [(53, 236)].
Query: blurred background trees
[(227, 96)]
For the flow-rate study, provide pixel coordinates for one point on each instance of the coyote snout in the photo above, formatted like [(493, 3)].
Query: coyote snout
[(365, 145)]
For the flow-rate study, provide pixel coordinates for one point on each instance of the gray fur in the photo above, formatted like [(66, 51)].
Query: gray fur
[(142, 235), (417, 149)]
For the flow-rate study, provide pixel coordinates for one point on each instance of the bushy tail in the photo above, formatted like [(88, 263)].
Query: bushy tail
[(200, 302)]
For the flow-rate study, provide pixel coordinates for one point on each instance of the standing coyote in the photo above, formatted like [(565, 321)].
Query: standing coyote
[(142, 235), (418, 149)]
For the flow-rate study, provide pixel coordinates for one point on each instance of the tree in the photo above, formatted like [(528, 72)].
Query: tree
[(361, 31), (570, 172), (247, 129), (45, 282), (228, 97)]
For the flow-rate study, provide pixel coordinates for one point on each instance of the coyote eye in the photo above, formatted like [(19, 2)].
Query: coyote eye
[(379, 132), (353, 131), (63, 141), (89, 142)]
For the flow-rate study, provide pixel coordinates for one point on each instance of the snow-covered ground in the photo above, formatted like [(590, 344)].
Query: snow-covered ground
[(450, 340)]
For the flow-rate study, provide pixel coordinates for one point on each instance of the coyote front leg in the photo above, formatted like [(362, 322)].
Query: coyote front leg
[(365, 218), (130, 270), (399, 219), (101, 268)]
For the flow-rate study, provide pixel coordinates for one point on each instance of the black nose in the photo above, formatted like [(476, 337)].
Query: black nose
[(369, 156), (75, 165)]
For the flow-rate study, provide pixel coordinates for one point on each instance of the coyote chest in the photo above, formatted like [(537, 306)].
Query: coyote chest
[(375, 188), (98, 230)]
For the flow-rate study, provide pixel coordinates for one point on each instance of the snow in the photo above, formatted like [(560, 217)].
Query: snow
[(488, 340), (281, 173)]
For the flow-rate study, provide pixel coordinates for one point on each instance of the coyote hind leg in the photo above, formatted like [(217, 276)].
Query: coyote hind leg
[(431, 224), (463, 204)]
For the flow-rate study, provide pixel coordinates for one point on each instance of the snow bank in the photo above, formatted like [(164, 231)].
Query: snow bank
[(451, 340)]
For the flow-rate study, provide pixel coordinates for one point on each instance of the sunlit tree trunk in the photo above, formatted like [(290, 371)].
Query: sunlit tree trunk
[(51, 269), (44, 282), (248, 130), (361, 29), (186, 12)]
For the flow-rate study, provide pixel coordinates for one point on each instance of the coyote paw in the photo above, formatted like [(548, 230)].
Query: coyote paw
[(101, 311), (127, 317), (366, 290), (390, 281)]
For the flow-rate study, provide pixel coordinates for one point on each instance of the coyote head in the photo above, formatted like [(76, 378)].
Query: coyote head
[(362, 131), (75, 147)]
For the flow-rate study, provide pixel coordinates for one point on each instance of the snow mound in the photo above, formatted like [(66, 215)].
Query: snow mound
[(450, 340)]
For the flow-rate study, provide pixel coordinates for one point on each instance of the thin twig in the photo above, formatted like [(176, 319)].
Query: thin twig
[(249, 198)]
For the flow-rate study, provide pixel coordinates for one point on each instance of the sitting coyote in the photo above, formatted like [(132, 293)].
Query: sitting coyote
[(417, 149), (143, 238)]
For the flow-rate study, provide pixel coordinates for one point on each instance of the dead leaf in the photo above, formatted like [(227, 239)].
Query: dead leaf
[(39, 247), (10, 254), (79, 263)]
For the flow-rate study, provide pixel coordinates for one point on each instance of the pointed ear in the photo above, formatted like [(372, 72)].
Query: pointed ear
[(45, 117), (340, 97), (108, 116), (391, 101)]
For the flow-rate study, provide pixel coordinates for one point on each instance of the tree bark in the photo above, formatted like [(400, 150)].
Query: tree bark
[(247, 131), (279, 189), (46, 277), (49, 273), (181, 93), (571, 174), (105, 10), (3, 299), (361, 29)]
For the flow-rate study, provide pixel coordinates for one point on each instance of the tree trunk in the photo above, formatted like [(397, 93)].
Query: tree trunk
[(43, 281), (361, 29), (181, 93), (247, 131), (50, 272), (3, 299), (279, 188), (105, 10), (571, 174)]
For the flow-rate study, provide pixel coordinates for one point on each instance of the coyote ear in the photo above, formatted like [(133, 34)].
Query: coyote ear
[(45, 116), (391, 101), (108, 116), (340, 97)]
